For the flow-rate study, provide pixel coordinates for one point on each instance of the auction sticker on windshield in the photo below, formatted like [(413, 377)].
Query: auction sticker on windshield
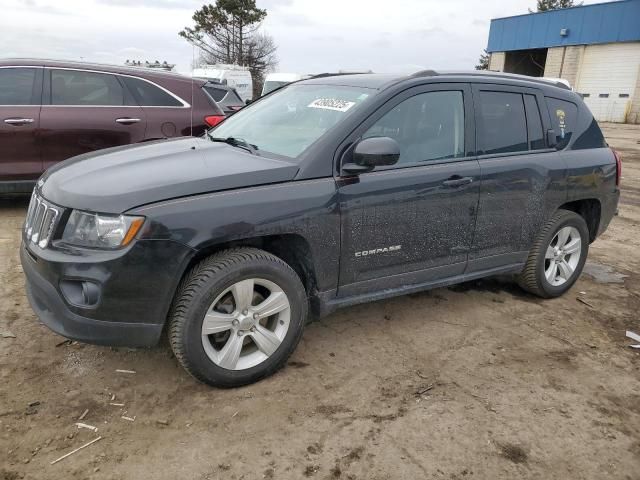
[(332, 104)]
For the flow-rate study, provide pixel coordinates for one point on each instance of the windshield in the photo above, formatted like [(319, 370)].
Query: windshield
[(288, 121)]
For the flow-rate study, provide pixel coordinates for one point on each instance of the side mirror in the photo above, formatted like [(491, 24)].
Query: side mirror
[(248, 101), (373, 152), (552, 141)]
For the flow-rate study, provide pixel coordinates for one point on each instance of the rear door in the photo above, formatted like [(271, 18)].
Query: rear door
[(20, 98), (85, 111), (523, 178), (167, 114)]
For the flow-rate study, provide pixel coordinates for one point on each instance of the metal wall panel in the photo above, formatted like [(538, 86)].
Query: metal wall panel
[(617, 21)]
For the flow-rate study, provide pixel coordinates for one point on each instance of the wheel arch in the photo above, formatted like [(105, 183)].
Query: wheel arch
[(590, 209), (294, 249)]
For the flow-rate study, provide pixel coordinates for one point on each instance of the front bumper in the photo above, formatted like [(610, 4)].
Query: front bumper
[(135, 291)]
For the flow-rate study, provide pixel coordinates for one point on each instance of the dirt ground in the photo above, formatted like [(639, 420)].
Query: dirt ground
[(476, 381)]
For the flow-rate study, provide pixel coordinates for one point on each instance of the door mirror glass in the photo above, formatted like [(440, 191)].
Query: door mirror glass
[(376, 152)]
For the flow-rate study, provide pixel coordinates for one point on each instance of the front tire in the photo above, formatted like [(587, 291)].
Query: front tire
[(237, 317), (557, 257)]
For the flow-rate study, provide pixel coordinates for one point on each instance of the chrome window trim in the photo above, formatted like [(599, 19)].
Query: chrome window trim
[(184, 103), (21, 66)]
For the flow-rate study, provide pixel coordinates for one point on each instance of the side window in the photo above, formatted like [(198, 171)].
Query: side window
[(534, 123), (148, 95), (73, 87), (428, 127), (216, 93), (503, 126), (16, 86), (563, 119)]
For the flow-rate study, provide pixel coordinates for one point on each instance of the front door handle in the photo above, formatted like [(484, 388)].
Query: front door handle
[(127, 121), (457, 181), (18, 121)]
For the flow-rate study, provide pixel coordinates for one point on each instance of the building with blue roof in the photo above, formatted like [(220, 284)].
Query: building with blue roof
[(596, 48)]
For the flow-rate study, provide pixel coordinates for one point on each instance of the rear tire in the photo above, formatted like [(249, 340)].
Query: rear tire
[(557, 257), (237, 317)]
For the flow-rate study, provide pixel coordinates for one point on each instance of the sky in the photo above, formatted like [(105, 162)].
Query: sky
[(313, 36)]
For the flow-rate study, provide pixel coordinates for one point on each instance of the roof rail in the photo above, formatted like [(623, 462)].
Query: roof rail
[(513, 76), (336, 74)]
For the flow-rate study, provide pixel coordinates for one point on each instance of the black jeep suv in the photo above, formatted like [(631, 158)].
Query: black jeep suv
[(330, 192)]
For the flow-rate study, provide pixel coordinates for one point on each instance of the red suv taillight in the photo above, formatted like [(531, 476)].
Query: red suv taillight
[(213, 120), (618, 166)]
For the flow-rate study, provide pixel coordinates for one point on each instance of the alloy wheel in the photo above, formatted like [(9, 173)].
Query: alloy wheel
[(562, 256), (246, 324)]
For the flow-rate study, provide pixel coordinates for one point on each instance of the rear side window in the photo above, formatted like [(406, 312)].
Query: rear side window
[(563, 119), (503, 128), (214, 92), (73, 87), (149, 95), (534, 123), (17, 85)]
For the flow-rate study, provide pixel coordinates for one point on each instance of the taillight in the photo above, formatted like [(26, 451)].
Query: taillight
[(618, 166), (213, 120)]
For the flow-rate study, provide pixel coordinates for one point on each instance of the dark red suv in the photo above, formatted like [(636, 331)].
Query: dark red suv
[(53, 110)]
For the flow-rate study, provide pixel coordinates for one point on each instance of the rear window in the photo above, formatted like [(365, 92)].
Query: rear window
[(270, 86), (233, 97), (503, 128), (149, 95), (16, 86), (563, 119), (216, 93)]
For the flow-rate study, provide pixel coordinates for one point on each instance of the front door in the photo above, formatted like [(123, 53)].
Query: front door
[(20, 97), (413, 222), (86, 111)]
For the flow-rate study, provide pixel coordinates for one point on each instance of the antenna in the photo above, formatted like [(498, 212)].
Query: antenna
[(193, 62)]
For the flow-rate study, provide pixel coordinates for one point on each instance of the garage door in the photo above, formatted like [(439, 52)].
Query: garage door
[(608, 78)]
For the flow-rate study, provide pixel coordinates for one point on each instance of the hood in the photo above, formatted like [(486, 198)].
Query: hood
[(118, 179)]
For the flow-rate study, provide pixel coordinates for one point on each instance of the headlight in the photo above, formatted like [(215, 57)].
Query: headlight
[(86, 229)]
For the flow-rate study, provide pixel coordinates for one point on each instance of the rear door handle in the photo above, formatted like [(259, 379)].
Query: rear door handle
[(18, 121), (127, 121), (457, 181)]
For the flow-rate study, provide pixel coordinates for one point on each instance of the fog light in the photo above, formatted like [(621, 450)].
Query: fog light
[(81, 293)]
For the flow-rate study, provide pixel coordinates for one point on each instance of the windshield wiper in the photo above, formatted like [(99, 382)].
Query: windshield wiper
[(235, 142)]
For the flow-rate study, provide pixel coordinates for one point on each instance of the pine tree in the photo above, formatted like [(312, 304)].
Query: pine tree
[(229, 32), (546, 5), (483, 61)]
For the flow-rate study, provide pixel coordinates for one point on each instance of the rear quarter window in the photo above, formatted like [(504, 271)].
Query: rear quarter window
[(149, 95), (564, 117)]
